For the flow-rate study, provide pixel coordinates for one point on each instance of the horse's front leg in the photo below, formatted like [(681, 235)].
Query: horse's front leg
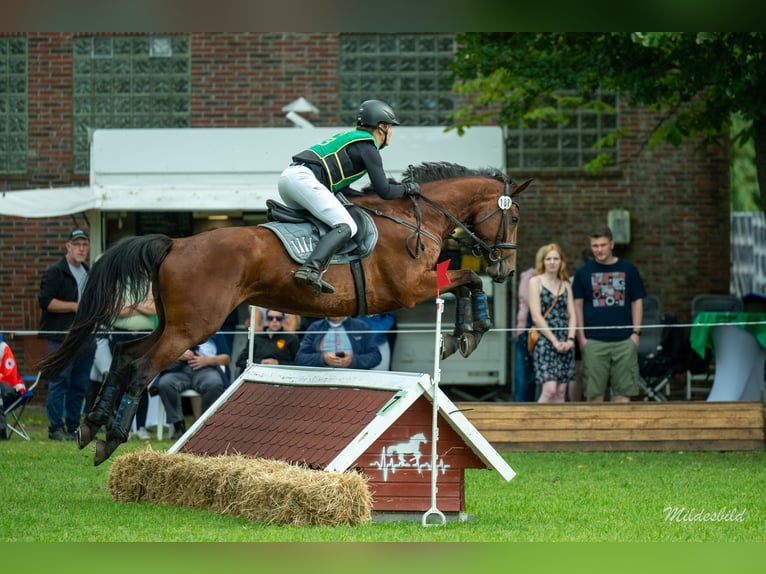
[(463, 323), (461, 283), (481, 323), (481, 319), (451, 342), (471, 321)]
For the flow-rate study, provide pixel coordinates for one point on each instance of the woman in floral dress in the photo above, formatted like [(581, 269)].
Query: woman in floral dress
[(554, 355)]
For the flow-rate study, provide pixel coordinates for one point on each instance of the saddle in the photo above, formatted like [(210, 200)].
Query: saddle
[(299, 230)]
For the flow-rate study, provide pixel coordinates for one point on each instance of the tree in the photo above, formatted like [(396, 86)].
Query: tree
[(695, 81), (744, 185)]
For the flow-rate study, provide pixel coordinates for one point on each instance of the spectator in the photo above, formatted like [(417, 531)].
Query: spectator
[(291, 323), (608, 293), (552, 308), (200, 368), (339, 342), (61, 288), (11, 385), (275, 346), (383, 326)]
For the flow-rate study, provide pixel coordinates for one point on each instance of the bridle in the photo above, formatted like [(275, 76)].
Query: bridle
[(476, 244)]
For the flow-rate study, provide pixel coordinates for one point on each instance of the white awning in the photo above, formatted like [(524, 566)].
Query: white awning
[(48, 202)]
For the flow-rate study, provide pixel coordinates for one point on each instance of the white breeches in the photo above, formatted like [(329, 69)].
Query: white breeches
[(298, 187)]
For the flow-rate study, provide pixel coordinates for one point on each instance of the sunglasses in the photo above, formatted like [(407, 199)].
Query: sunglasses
[(275, 318)]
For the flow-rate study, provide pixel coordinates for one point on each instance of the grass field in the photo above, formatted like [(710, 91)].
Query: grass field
[(555, 497)]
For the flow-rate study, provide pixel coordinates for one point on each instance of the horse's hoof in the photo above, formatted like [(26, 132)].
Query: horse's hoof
[(449, 346), (103, 450), (84, 434), (466, 344), (99, 452)]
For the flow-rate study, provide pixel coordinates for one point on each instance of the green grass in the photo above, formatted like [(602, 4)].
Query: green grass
[(555, 497)]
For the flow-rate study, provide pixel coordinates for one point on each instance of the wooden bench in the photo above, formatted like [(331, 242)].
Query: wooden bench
[(695, 425)]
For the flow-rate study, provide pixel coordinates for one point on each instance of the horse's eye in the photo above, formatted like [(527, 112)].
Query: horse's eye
[(514, 220)]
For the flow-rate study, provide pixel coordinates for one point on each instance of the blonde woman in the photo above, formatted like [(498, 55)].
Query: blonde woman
[(552, 307)]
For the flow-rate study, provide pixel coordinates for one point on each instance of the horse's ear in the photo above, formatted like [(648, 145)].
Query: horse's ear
[(521, 187)]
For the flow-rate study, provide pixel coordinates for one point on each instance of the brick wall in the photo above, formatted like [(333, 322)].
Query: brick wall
[(678, 197), (244, 79)]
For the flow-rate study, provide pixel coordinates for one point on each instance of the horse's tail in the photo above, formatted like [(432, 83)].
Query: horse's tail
[(123, 273)]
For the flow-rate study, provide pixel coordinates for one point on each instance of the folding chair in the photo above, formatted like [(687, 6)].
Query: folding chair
[(15, 410)]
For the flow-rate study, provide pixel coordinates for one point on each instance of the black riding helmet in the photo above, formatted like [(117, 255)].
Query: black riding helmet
[(373, 112)]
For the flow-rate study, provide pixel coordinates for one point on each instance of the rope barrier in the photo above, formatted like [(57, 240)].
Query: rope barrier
[(24, 333)]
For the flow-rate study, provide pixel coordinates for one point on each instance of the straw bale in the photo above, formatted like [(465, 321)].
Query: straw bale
[(270, 491)]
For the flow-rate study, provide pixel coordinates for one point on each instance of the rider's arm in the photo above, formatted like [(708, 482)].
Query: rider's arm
[(370, 156)]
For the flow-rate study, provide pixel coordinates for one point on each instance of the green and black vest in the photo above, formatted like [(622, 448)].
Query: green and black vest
[(332, 155)]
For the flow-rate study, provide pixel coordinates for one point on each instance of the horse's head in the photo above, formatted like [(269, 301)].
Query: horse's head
[(482, 204), (495, 224)]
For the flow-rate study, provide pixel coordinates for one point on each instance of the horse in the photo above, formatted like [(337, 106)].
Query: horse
[(198, 280)]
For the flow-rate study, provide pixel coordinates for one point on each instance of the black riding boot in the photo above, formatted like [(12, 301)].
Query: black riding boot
[(310, 273)]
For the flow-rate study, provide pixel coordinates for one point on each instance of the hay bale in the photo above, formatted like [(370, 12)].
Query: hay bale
[(261, 490)]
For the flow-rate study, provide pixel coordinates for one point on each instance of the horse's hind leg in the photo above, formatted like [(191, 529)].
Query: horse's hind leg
[(119, 429), (101, 412)]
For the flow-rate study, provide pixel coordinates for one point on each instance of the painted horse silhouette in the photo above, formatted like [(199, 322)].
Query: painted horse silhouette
[(197, 281)]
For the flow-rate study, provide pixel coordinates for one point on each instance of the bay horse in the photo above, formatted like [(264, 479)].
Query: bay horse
[(197, 281)]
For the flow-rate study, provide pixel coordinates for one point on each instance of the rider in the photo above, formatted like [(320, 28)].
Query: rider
[(318, 173)]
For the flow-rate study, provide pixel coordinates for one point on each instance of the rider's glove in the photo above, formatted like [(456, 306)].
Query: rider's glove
[(411, 189)]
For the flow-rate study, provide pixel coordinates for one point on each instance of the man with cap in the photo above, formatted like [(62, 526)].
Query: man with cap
[(61, 288)]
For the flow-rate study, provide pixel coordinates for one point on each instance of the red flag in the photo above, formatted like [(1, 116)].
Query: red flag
[(441, 274)]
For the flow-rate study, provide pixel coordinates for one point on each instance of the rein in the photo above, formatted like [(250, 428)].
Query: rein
[(417, 229), (504, 203)]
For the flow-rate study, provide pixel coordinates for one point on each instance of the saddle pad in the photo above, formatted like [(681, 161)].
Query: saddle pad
[(299, 240)]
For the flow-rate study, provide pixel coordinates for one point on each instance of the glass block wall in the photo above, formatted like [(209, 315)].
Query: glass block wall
[(13, 104), (408, 71), (128, 82), (552, 146)]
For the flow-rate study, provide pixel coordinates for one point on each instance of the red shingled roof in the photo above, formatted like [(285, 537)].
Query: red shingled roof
[(297, 424)]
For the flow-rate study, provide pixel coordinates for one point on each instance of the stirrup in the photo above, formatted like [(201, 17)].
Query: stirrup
[(307, 276)]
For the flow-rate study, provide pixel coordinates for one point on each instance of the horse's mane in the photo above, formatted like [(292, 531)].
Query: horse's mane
[(432, 171)]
